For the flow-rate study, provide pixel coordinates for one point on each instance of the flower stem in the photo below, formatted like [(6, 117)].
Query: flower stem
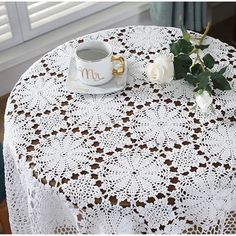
[(205, 33), (195, 50), (200, 60)]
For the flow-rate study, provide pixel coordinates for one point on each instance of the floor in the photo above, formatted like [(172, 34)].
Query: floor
[(3, 101)]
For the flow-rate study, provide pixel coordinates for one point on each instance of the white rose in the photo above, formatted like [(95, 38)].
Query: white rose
[(203, 100), (162, 70)]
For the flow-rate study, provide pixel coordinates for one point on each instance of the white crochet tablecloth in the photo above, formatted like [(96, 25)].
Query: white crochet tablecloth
[(141, 160)]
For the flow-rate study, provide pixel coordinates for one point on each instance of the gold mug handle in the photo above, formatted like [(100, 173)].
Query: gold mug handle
[(121, 69)]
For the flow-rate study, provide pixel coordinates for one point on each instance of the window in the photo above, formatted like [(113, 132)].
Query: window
[(10, 33), (5, 29), (21, 21)]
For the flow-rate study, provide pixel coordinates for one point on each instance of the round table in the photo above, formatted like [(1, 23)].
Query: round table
[(141, 160)]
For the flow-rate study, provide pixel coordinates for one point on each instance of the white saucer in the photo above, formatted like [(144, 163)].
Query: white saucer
[(73, 84)]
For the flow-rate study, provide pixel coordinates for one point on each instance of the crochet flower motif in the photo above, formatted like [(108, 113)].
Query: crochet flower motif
[(113, 139), (136, 174), (220, 143), (144, 38), (59, 59), (208, 195), (40, 94), (161, 125), (96, 110), (106, 219), (81, 191), (63, 155)]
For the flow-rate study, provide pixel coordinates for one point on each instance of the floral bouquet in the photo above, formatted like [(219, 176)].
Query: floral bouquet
[(185, 62)]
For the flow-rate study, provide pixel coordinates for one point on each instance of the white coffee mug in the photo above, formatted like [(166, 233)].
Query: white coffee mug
[(95, 63)]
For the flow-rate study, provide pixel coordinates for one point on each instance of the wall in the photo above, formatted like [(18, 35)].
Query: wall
[(219, 11)]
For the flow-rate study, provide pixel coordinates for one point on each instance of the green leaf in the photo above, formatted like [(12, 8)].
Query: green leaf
[(185, 33), (208, 61), (222, 71), (220, 82), (181, 46), (202, 47), (203, 79), (191, 79), (210, 90), (196, 69), (182, 65)]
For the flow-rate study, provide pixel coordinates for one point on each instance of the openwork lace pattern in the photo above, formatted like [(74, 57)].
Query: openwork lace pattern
[(141, 160)]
